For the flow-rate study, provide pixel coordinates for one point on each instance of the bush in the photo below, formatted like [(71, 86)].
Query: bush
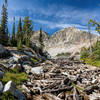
[(7, 96), (64, 54), (34, 60), (92, 58), (16, 77), (84, 55)]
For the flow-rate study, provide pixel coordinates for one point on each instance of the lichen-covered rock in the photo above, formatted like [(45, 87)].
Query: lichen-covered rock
[(11, 88)]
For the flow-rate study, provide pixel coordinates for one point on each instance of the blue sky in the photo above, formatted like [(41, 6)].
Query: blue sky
[(53, 15)]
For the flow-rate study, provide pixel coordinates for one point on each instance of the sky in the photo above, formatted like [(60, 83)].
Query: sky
[(53, 15)]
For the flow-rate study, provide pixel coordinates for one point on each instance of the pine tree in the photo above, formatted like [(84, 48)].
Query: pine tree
[(41, 41), (9, 40), (6, 2), (27, 30), (4, 20), (19, 35), (19, 30), (19, 44), (13, 39)]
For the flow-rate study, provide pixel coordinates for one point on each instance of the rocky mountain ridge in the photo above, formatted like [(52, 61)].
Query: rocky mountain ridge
[(66, 40)]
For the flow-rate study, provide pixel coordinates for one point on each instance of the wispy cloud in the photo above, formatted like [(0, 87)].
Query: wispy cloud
[(51, 15), (53, 25)]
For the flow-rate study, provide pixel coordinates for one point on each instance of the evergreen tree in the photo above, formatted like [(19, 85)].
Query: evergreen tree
[(19, 35), (4, 20), (41, 41), (27, 31), (13, 39), (19, 44), (19, 30), (9, 40), (6, 2)]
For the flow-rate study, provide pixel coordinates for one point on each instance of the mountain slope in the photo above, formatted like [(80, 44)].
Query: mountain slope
[(67, 40)]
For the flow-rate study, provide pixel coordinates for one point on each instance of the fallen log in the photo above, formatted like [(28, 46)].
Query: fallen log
[(48, 96), (62, 89), (90, 89)]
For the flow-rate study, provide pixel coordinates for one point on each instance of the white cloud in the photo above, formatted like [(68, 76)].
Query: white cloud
[(53, 25), (58, 16)]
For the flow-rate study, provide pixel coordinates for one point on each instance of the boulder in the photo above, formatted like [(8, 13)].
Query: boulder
[(1, 75), (29, 53), (27, 68), (1, 87), (37, 70), (3, 52), (11, 88), (11, 61)]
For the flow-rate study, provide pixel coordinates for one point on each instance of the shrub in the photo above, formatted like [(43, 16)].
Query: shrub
[(64, 54), (34, 60), (16, 77), (84, 55), (92, 58), (7, 96)]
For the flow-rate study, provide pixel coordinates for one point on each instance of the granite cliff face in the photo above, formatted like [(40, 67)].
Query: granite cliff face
[(66, 40)]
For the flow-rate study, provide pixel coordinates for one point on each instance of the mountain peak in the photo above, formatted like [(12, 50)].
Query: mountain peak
[(65, 40), (69, 39)]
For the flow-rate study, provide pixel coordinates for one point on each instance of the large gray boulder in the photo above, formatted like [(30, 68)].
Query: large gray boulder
[(1, 87), (3, 52), (11, 88), (1, 75), (37, 70)]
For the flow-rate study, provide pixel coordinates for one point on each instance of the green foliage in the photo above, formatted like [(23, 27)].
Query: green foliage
[(19, 30), (34, 60), (19, 44), (4, 28), (27, 31), (16, 77), (92, 58), (41, 40), (7, 96), (64, 54), (84, 54), (13, 39), (9, 40), (94, 24)]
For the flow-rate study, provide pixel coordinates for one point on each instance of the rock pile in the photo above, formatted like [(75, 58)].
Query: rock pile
[(56, 79), (63, 79)]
